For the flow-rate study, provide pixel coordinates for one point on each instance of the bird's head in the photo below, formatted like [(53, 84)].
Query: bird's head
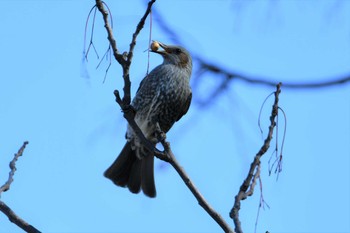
[(175, 55)]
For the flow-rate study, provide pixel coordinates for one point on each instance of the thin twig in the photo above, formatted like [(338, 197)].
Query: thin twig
[(242, 193), (262, 203), (91, 44), (149, 40), (5, 208)]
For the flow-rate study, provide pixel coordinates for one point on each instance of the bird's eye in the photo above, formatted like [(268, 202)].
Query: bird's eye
[(178, 51)]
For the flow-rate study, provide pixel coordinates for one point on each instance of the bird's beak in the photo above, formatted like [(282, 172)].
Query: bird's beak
[(163, 46)]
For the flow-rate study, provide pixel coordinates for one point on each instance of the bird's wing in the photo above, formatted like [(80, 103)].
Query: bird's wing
[(185, 107), (142, 81)]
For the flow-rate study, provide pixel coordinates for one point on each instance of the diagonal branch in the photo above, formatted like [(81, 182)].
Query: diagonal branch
[(243, 190), (186, 179), (5, 208), (16, 219), (168, 156)]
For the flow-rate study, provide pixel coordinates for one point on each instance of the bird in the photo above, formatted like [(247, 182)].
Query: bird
[(162, 98)]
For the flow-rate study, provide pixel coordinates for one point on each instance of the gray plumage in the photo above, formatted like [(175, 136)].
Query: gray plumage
[(163, 97)]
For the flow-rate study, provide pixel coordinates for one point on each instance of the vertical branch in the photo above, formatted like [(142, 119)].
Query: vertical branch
[(243, 191)]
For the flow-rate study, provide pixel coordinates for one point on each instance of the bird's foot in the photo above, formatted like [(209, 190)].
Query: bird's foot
[(161, 136), (129, 109)]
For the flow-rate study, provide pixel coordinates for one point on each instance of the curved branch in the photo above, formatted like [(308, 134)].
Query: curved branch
[(209, 67)]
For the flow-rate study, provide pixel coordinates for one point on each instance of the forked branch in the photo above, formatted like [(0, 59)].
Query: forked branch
[(125, 60)]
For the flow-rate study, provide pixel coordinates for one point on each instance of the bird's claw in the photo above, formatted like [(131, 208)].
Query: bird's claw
[(161, 136)]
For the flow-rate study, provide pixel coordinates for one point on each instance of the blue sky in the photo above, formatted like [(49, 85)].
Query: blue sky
[(57, 102)]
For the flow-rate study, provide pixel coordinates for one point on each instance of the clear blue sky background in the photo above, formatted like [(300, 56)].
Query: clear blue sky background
[(57, 102)]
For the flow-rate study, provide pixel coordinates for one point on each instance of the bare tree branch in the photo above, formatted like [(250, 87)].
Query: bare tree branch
[(254, 170), (6, 209), (129, 113)]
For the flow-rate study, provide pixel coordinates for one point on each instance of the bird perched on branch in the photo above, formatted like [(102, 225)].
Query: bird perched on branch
[(163, 97)]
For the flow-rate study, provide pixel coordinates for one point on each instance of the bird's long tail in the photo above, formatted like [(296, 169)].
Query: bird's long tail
[(130, 171)]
